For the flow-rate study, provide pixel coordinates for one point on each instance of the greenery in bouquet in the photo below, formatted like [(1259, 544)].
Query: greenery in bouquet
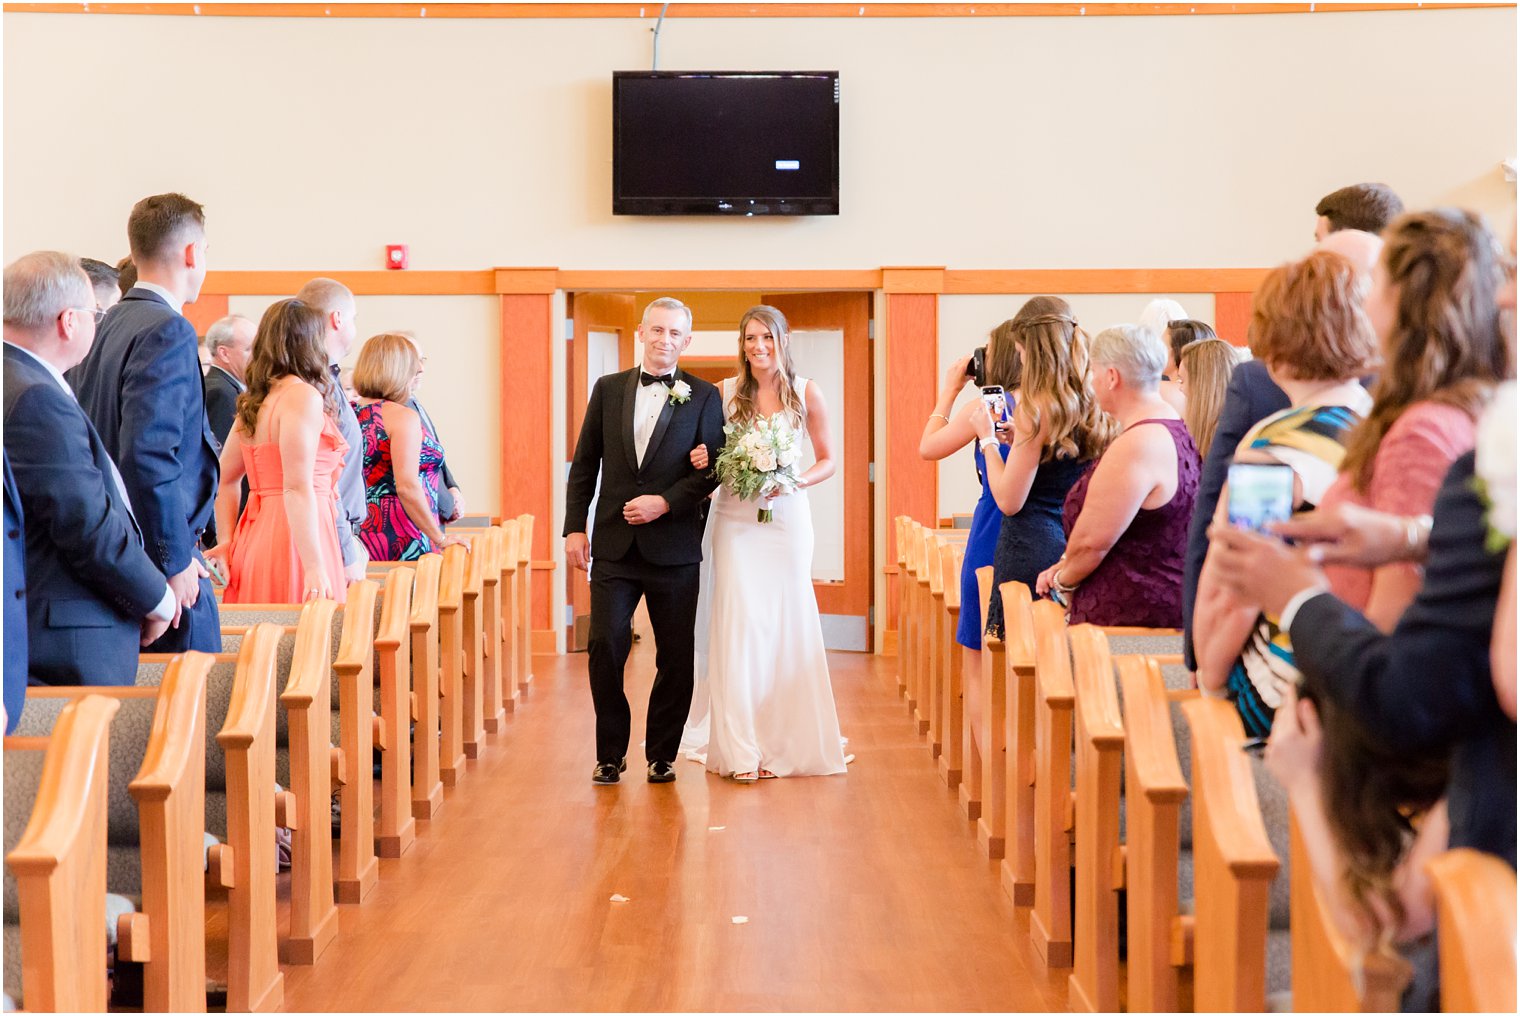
[(759, 461)]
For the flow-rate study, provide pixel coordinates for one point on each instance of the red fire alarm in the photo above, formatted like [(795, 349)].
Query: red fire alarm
[(395, 255)]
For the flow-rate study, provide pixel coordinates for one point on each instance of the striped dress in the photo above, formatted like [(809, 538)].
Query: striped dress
[(1311, 440)]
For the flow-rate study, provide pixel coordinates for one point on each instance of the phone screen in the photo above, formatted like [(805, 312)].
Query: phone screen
[(1260, 492), (997, 405)]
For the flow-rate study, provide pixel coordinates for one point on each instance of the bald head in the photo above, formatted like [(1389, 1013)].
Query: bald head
[(1360, 248), (335, 301)]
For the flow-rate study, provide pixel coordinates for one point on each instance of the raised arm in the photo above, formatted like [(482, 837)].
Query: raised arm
[(1011, 481)]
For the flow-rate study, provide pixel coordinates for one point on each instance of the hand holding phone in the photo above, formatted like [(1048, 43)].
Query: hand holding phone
[(996, 403), (1260, 493)]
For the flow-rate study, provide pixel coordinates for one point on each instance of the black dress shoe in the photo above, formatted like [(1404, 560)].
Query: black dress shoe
[(607, 772), (662, 772)]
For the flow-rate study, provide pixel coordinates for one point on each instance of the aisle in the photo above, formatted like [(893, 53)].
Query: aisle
[(862, 892)]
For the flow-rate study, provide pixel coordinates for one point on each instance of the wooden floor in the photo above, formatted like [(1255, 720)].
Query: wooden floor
[(861, 892)]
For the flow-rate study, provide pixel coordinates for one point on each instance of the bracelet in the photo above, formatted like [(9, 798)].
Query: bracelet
[(1056, 583), (987, 442), (942, 416)]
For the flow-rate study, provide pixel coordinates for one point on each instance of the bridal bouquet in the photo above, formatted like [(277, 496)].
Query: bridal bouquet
[(759, 460)]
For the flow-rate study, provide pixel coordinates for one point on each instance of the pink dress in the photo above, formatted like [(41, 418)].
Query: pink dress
[(1410, 464), (263, 565)]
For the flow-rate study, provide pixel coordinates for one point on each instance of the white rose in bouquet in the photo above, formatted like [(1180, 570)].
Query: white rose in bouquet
[(1494, 462)]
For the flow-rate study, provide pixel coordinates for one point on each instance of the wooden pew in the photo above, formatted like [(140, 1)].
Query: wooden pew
[(991, 761), (1017, 720), (1330, 972), (1050, 922), (934, 648), (488, 637), (948, 714), (353, 696), (904, 621), (310, 763), (1160, 937), (509, 593), (1475, 915), (427, 783), (471, 652), (912, 634), (55, 883), (525, 602), (1234, 865), (451, 663), (158, 777), (392, 640), (1099, 733)]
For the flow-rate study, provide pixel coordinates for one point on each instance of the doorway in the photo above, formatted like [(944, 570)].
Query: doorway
[(831, 335)]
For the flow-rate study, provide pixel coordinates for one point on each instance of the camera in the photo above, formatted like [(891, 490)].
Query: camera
[(976, 367)]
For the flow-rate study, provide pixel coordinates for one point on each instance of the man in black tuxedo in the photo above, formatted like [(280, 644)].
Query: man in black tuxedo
[(92, 593), (640, 429), (141, 386)]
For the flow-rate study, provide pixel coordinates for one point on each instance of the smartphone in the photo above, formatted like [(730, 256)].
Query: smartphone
[(1260, 492), (997, 404)]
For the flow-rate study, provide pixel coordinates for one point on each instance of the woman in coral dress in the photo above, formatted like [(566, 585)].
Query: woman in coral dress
[(285, 440)]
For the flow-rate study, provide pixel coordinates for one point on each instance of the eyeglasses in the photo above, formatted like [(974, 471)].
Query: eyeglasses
[(94, 312)]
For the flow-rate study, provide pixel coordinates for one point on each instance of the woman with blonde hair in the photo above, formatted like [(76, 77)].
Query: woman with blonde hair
[(401, 461), (285, 439), (1204, 369), (1058, 429), (772, 706)]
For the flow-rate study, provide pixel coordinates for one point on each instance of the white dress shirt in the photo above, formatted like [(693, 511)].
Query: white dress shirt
[(175, 303), (165, 609), (648, 404)]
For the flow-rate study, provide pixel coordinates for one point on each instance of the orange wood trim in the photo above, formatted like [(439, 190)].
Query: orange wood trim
[(527, 338), (363, 283), (1102, 280), (913, 280), (648, 11), (825, 279), (526, 280), (1232, 316), (912, 337), (207, 310)]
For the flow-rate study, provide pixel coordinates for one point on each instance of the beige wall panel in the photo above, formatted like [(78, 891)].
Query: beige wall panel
[(999, 142)]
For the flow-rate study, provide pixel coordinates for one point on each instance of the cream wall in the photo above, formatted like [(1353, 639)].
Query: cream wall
[(973, 142)]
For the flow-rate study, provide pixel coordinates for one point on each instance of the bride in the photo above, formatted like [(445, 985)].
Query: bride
[(771, 708)]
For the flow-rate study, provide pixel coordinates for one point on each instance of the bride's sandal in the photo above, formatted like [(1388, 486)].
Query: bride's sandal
[(749, 777), (766, 774)]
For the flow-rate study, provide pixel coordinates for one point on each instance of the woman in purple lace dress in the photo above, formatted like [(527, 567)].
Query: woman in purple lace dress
[(1126, 519)]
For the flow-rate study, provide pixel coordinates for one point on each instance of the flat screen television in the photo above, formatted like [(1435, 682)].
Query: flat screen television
[(725, 143)]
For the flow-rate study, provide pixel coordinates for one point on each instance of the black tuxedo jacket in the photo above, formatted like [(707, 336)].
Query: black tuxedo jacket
[(221, 403), (1427, 688), (606, 447), (89, 581), (141, 386)]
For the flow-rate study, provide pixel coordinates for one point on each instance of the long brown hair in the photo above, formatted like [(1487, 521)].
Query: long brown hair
[(1004, 363), (1372, 793), (1056, 387), (1209, 363), (747, 391), (1447, 343), (290, 341)]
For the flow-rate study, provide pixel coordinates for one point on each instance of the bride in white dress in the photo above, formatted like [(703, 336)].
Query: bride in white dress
[(770, 707)]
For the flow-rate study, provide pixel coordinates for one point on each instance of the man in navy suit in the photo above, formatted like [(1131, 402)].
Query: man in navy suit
[(15, 602), (141, 386), (93, 594)]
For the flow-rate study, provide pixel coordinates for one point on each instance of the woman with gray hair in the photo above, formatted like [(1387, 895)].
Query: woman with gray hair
[(1126, 519)]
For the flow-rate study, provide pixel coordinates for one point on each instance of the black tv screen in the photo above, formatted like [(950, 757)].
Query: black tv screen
[(725, 143)]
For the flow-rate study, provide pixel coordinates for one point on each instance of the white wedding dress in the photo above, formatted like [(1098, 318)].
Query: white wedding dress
[(762, 698)]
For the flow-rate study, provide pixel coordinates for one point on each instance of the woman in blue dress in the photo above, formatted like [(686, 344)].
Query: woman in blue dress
[(947, 432)]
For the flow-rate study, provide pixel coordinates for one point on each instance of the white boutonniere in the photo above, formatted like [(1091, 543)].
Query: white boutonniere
[(1494, 465), (680, 392)]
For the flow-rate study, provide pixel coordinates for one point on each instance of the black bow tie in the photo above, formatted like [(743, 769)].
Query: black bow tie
[(650, 379)]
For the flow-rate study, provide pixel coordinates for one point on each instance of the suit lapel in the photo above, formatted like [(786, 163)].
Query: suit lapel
[(661, 425), (625, 419)]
